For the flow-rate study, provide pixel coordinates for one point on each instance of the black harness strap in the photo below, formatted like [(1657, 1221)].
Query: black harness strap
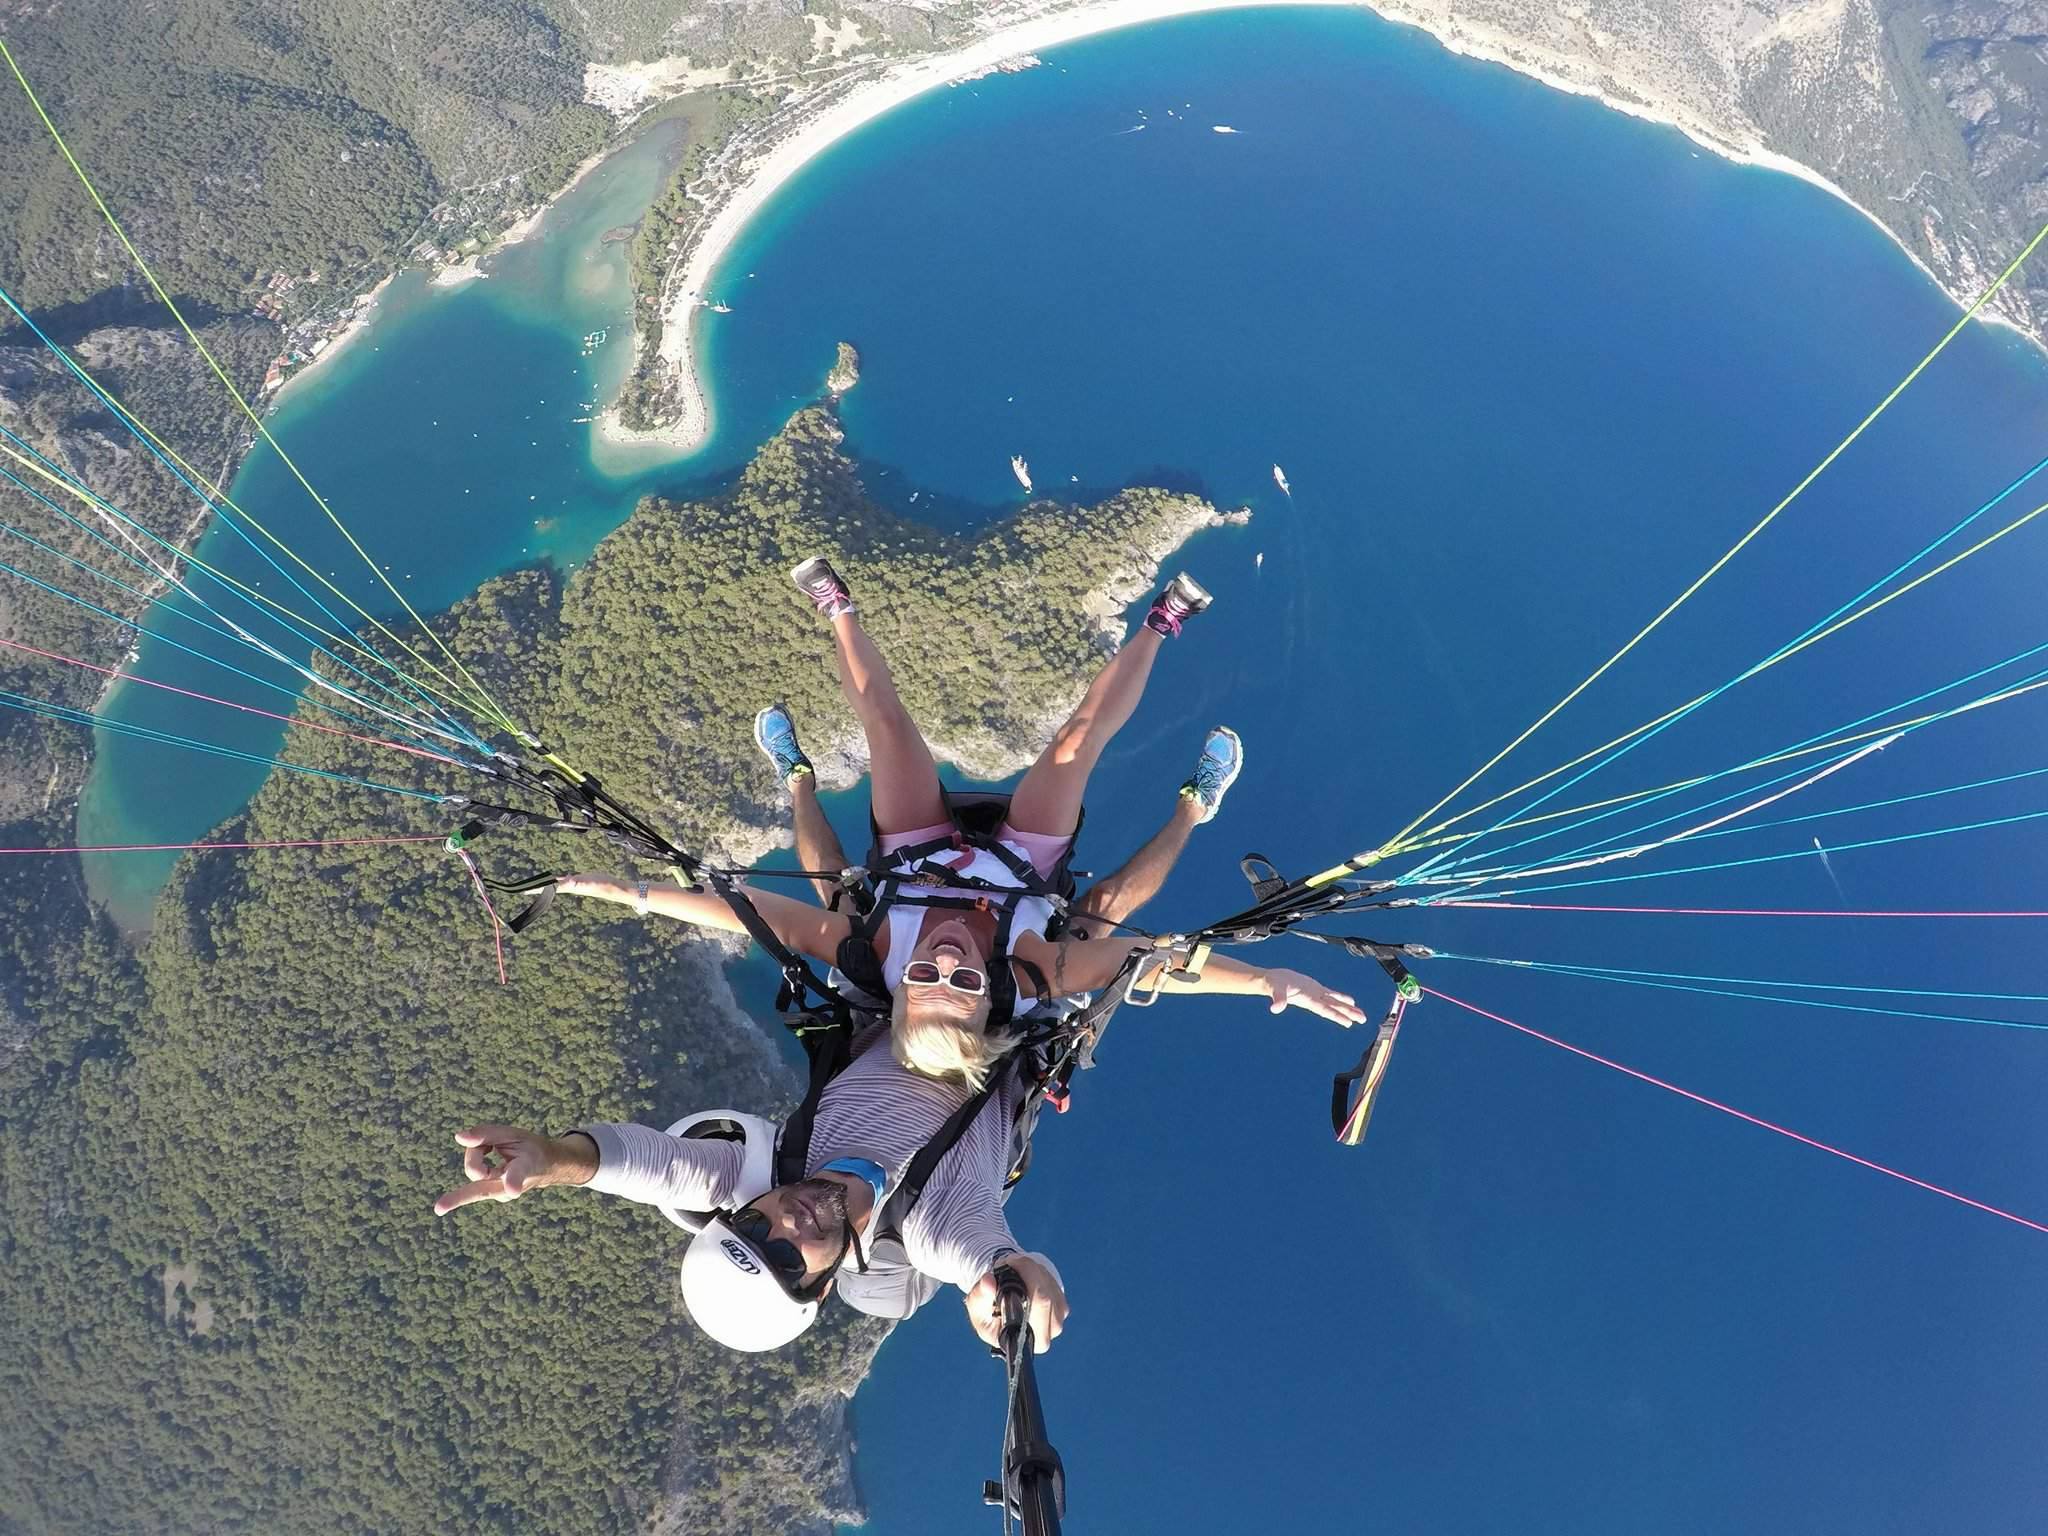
[(541, 888), (890, 891), (830, 1049), (910, 1188), (797, 975), (1041, 989)]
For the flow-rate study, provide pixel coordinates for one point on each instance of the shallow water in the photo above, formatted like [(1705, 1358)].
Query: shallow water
[(445, 439)]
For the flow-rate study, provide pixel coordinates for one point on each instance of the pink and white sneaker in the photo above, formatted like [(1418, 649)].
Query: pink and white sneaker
[(1183, 598), (816, 579)]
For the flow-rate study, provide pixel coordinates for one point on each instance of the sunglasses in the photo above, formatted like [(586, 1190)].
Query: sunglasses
[(784, 1259), (963, 978), (781, 1256)]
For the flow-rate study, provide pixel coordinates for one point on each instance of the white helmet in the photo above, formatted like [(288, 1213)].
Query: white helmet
[(735, 1297), (757, 1167), (729, 1289)]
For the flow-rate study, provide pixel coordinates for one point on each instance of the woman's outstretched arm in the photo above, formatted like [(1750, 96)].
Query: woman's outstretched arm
[(804, 928), (1083, 965)]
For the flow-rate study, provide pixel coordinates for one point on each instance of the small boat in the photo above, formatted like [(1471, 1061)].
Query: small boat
[(1280, 479), (1259, 560), (721, 309), (1021, 470)]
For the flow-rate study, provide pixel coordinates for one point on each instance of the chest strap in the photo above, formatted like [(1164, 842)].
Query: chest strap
[(910, 1188)]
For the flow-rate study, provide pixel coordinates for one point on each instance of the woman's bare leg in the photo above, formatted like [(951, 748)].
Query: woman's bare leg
[(1048, 800), (902, 777)]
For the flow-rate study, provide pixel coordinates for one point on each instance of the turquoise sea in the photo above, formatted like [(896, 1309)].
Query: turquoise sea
[(1531, 367)]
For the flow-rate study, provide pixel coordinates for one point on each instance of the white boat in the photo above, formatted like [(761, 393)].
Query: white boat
[(1280, 479), (1258, 560), (1021, 470)]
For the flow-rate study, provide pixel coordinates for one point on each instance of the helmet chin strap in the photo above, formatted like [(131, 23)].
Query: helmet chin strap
[(876, 1177)]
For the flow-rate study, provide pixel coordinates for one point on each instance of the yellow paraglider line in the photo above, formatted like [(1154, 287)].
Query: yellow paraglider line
[(1430, 838), (1362, 860), (99, 504), (491, 708)]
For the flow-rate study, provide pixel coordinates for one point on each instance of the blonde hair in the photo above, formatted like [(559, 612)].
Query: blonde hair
[(939, 1043)]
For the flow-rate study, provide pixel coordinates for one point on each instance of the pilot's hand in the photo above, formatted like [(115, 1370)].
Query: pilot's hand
[(1047, 1312), (504, 1162), (1291, 989)]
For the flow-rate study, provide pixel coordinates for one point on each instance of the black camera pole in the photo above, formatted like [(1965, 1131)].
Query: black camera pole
[(1034, 1486)]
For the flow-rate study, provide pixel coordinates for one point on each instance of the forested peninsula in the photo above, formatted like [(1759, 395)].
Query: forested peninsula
[(224, 1301)]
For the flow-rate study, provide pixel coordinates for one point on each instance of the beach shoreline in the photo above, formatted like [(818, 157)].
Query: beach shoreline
[(362, 312), (821, 119), (449, 274)]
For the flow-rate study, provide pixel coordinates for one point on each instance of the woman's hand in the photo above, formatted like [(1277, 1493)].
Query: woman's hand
[(1293, 989), (504, 1162), (1047, 1311)]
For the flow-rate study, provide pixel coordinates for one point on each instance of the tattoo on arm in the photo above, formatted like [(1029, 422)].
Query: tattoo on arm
[(1059, 967)]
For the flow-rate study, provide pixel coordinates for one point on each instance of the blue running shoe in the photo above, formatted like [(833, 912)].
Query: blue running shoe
[(775, 735), (1216, 770)]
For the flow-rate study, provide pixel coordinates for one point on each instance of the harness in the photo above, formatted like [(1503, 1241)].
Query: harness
[(1052, 1038), (893, 880)]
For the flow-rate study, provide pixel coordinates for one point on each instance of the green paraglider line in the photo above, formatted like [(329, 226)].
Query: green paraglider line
[(1813, 632), (247, 709), (303, 842), (115, 618), (1607, 839), (303, 629), (1767, 858), (490, 707)]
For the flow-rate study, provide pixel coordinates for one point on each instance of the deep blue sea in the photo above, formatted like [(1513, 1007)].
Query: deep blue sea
[(1531, 367)]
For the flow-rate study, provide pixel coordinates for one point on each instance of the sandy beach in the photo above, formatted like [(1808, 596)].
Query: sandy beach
[(358, 320), (752, 178)]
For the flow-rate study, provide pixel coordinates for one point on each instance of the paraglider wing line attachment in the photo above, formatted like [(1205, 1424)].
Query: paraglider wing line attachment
[(1279, 904), (1349, 1116), (581, 804)]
